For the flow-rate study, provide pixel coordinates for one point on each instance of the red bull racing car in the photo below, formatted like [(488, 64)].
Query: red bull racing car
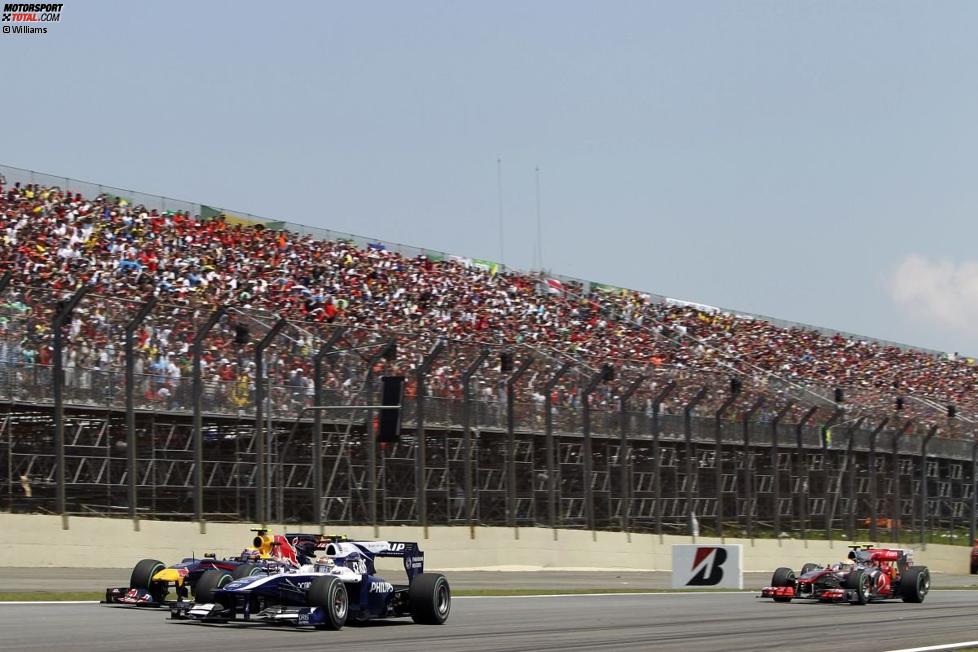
[(871, 574), (152, 581)]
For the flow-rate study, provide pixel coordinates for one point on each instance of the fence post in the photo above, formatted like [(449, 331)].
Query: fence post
[(327, 349), (624, 453), (467, 434), (264, 481), (749, 478), (198, 391), (385, 351), (873, 479), (826, 436), (775, 467), (974, 492), (131, 441), (421, 444), (588, 454), (848, 472), (718, 462), (801, 472), (923, 486), (688, 431), (897, 511), (657, 454), (553, 514), (61, 313), (511, 441)]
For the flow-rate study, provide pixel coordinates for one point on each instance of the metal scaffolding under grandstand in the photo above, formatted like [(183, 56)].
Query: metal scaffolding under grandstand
[(518, 437)]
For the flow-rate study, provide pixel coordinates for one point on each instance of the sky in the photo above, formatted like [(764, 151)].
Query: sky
[(812, 161)]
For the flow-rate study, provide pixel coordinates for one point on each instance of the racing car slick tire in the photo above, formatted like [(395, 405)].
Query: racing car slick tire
[(915, 584), (329, 594), (209, 582), (807, 568), (783, 577), (430, 599), (142, 574), (859, 582), (246, 569), (974, 569), (142, 578)]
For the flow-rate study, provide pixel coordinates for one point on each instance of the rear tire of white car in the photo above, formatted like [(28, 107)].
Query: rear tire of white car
[(430, 599), (328, 593), (212, 580), (142, 578), (915, 584), (807, 568)]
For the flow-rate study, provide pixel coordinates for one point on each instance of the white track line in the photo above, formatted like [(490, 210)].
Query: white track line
[(598, 595), (24, 602), (938, 648)]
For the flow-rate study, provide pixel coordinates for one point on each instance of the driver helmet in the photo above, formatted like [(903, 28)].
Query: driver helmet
[(250, 554), (323, 565)]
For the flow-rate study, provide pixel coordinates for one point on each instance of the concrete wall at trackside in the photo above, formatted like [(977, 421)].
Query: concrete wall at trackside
[(36, 540)]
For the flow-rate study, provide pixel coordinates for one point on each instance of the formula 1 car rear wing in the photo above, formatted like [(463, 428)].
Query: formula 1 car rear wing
[(409, 551)]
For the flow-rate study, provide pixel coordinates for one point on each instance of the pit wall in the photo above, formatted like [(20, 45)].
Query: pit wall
[(36, 540)]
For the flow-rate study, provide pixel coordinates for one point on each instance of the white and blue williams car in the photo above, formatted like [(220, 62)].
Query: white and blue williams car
[(339, 587)]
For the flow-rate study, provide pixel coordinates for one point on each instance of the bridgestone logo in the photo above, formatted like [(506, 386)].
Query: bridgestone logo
[(708, 567)]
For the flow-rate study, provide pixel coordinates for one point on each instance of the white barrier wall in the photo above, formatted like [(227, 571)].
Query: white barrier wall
[(37, 540)]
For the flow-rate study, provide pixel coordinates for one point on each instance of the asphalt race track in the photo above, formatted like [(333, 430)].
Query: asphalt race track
[(719, 621)]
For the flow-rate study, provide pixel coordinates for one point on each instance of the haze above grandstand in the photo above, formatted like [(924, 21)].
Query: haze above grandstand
[(813, 162)]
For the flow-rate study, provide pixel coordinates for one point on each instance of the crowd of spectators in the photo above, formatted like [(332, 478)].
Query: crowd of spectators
[(55, 241)]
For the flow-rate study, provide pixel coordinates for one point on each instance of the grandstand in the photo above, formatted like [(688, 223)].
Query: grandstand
[(532, 399)]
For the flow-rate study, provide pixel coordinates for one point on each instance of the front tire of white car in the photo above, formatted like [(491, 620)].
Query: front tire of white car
[(328, 594)]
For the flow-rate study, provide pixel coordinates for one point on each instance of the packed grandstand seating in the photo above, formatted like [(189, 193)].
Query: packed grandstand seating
[(55, 241)]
